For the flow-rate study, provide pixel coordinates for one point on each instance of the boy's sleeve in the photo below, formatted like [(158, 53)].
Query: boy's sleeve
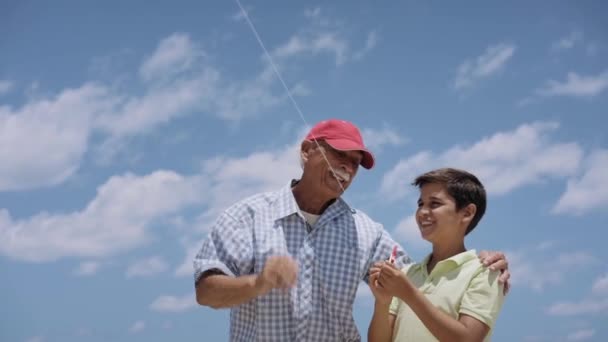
[(484, 297), (394, 308), (228, 248)]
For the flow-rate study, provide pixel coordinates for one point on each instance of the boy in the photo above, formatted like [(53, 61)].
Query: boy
[(450, 296)]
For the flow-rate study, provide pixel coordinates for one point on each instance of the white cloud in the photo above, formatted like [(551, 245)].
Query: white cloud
[(173, 55), (174, 304), (536, 269), (52, 135), (485, 65), (87, 268), (5, 86), (233, 179), (147, 267), (584, 307), (568, 41), (312, 13), (323, 36), (115, 220), (601, 285), (581, 335), (375, 139), (186, 267), (370, 44), (36, 339), (53, 132), (590, 191), (576, 85), (504, 162), (138, 326), (408, 233)]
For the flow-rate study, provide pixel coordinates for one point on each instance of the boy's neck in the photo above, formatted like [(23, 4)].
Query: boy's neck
[(442, 252)]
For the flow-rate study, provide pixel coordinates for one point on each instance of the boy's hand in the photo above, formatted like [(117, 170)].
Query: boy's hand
[(497, 261), (393, 281), (380, 294)]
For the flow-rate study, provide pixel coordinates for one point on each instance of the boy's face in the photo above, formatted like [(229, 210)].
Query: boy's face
[(437, 217)]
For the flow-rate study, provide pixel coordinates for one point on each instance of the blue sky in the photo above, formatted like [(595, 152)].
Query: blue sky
[(126, 127)]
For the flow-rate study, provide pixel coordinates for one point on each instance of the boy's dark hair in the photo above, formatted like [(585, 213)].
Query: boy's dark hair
[(463, 186)]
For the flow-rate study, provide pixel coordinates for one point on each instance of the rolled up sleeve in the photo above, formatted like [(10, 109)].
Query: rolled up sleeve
[(228, 248)]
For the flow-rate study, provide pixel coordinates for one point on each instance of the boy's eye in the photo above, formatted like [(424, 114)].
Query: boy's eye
[(435, 204)]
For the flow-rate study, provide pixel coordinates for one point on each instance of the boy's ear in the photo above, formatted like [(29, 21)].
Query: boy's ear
[(469, 212)]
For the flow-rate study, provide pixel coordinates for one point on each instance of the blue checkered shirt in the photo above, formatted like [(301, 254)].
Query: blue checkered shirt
[(333, 257)]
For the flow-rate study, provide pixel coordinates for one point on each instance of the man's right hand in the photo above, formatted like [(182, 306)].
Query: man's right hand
[(279, 272)]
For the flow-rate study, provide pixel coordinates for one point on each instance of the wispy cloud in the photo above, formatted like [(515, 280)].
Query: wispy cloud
[(87, 268), (138, 326), (407, 231), (584, 307), (600, 286), (147, 267), (113, 221), (504, 162), (173, 55), (375, 139), (576, 86), (588, 192), (569, 41), (581, 335), (536, 269), (323, 36), (36, 339), (173, 304), (5, 86), (487, 64)]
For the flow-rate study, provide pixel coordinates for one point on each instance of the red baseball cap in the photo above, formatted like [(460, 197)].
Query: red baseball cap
[(342, 135)]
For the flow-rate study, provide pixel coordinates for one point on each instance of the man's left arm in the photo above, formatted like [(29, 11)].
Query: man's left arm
[(382, 250)]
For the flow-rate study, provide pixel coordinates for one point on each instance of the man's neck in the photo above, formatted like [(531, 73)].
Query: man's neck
[(308, 201)]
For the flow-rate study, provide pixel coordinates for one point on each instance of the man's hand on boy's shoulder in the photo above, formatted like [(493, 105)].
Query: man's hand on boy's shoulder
[(497, 261)]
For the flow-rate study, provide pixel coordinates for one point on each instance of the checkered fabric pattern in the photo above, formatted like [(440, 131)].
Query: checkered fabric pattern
[(333, 258)]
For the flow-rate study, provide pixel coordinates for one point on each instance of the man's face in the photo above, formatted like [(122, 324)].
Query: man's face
[(343, 163)]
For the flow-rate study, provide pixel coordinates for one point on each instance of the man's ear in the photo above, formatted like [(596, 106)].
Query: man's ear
[(469, 212), (305, 149)]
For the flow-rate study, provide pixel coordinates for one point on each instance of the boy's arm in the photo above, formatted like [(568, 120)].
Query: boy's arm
[(440, 324), (381, 326)]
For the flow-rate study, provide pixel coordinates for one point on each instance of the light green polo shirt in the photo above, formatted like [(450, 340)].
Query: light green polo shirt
[(457, 285)]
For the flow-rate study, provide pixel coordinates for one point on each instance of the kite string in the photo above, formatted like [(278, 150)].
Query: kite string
[(278, 74)]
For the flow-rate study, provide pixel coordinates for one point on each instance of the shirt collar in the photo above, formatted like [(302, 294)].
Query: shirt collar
[(286, 205), (455, 260)]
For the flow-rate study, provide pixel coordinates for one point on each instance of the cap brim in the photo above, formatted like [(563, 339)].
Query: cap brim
[(368, 160)]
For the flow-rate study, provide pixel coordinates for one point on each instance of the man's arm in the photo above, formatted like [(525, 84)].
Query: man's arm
[(221, 291), (497, 261)]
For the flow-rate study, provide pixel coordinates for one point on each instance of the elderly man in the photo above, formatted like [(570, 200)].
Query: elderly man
[(288, 263)]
